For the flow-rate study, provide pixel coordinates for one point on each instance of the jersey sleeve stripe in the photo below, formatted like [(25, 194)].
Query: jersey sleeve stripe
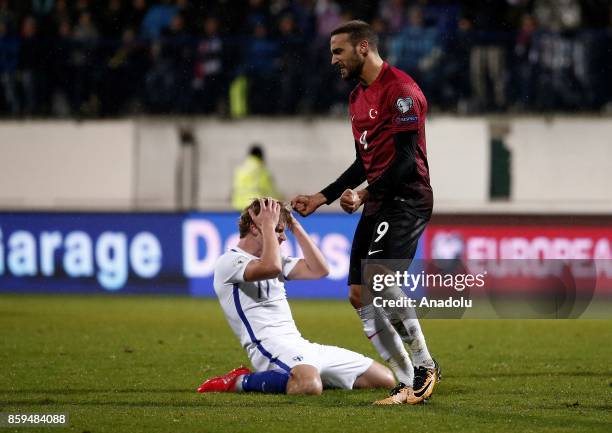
[(249, 329)]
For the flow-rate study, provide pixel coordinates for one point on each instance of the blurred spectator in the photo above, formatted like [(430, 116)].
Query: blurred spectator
[(32, 64), (262, 65), (123, 73), (380, 27), (454, 76), (468, 55), (42, 7), (186, 9), (416, 50), (61, 13), (159, 81), (135, 15), (568, 57), (157, 18), (179, 48), (7, 15), (560, 60), (42, 11), (9, 56), (210, 82), (558, 15), (305, 18), (488, 71), (85, 40), (292, 49), (168, 81), (442, 15), (112, 20), (606, 69), (517, 9), (393, 13), (252, 179), (524, 66), (257, 13), (62, 71), (82, 6), (328, 15), (322, 87)]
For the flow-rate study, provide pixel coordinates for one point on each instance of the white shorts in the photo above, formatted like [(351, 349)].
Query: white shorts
[(338, 367)]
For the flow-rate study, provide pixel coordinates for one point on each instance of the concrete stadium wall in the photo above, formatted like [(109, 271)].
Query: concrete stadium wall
[(66, 165), (458, 156), (560, 161), (157, 152), (302, 155), (305, 156), (563, 165)]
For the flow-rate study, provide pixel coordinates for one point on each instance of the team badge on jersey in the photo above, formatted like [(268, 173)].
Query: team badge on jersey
[(404, 105)]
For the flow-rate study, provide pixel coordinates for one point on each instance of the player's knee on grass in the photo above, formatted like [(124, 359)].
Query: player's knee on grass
[(305, 380), (377, 376)]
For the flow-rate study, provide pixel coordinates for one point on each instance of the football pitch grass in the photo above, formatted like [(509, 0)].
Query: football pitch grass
[(132, 364)]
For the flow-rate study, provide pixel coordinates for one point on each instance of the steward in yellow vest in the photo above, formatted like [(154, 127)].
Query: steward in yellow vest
[(252, 179)]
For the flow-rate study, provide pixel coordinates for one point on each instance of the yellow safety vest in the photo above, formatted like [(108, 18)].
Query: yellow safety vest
[(252, 180)]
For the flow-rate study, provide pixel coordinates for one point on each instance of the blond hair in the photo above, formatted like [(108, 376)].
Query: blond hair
[(245, 221)]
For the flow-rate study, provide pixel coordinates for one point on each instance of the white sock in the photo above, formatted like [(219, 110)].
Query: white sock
[(387, 342), (405, 322), (416, 342), (238, 386), (402, 368)]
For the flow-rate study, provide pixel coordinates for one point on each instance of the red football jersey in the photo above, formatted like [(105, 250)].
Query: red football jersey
[(392, 103)]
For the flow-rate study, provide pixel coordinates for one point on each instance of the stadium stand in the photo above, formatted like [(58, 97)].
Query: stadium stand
[(110, 58)]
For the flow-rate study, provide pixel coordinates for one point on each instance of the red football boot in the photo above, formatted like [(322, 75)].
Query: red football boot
[(225, 383)]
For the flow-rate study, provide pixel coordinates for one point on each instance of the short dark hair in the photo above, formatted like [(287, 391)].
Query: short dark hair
[(358, 31), (257, 151)]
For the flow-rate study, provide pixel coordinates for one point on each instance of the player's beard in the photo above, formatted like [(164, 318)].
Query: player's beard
[(353, 68)]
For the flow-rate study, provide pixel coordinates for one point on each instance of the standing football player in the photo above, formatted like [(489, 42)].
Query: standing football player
[(250, 283), (387, 111)]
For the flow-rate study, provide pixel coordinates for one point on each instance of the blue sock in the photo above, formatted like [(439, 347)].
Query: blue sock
[(272, 382)]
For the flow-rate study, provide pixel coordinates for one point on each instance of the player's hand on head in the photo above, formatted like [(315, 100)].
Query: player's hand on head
[(269, 212), (275, 209), (292, 221)]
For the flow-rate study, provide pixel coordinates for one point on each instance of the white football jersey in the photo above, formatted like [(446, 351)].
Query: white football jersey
[(255, 310)]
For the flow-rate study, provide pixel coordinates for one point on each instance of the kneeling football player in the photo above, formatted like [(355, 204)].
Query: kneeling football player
[(249, 282)]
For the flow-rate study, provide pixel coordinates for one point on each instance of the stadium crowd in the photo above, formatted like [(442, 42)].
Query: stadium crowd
[(100, 58)]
